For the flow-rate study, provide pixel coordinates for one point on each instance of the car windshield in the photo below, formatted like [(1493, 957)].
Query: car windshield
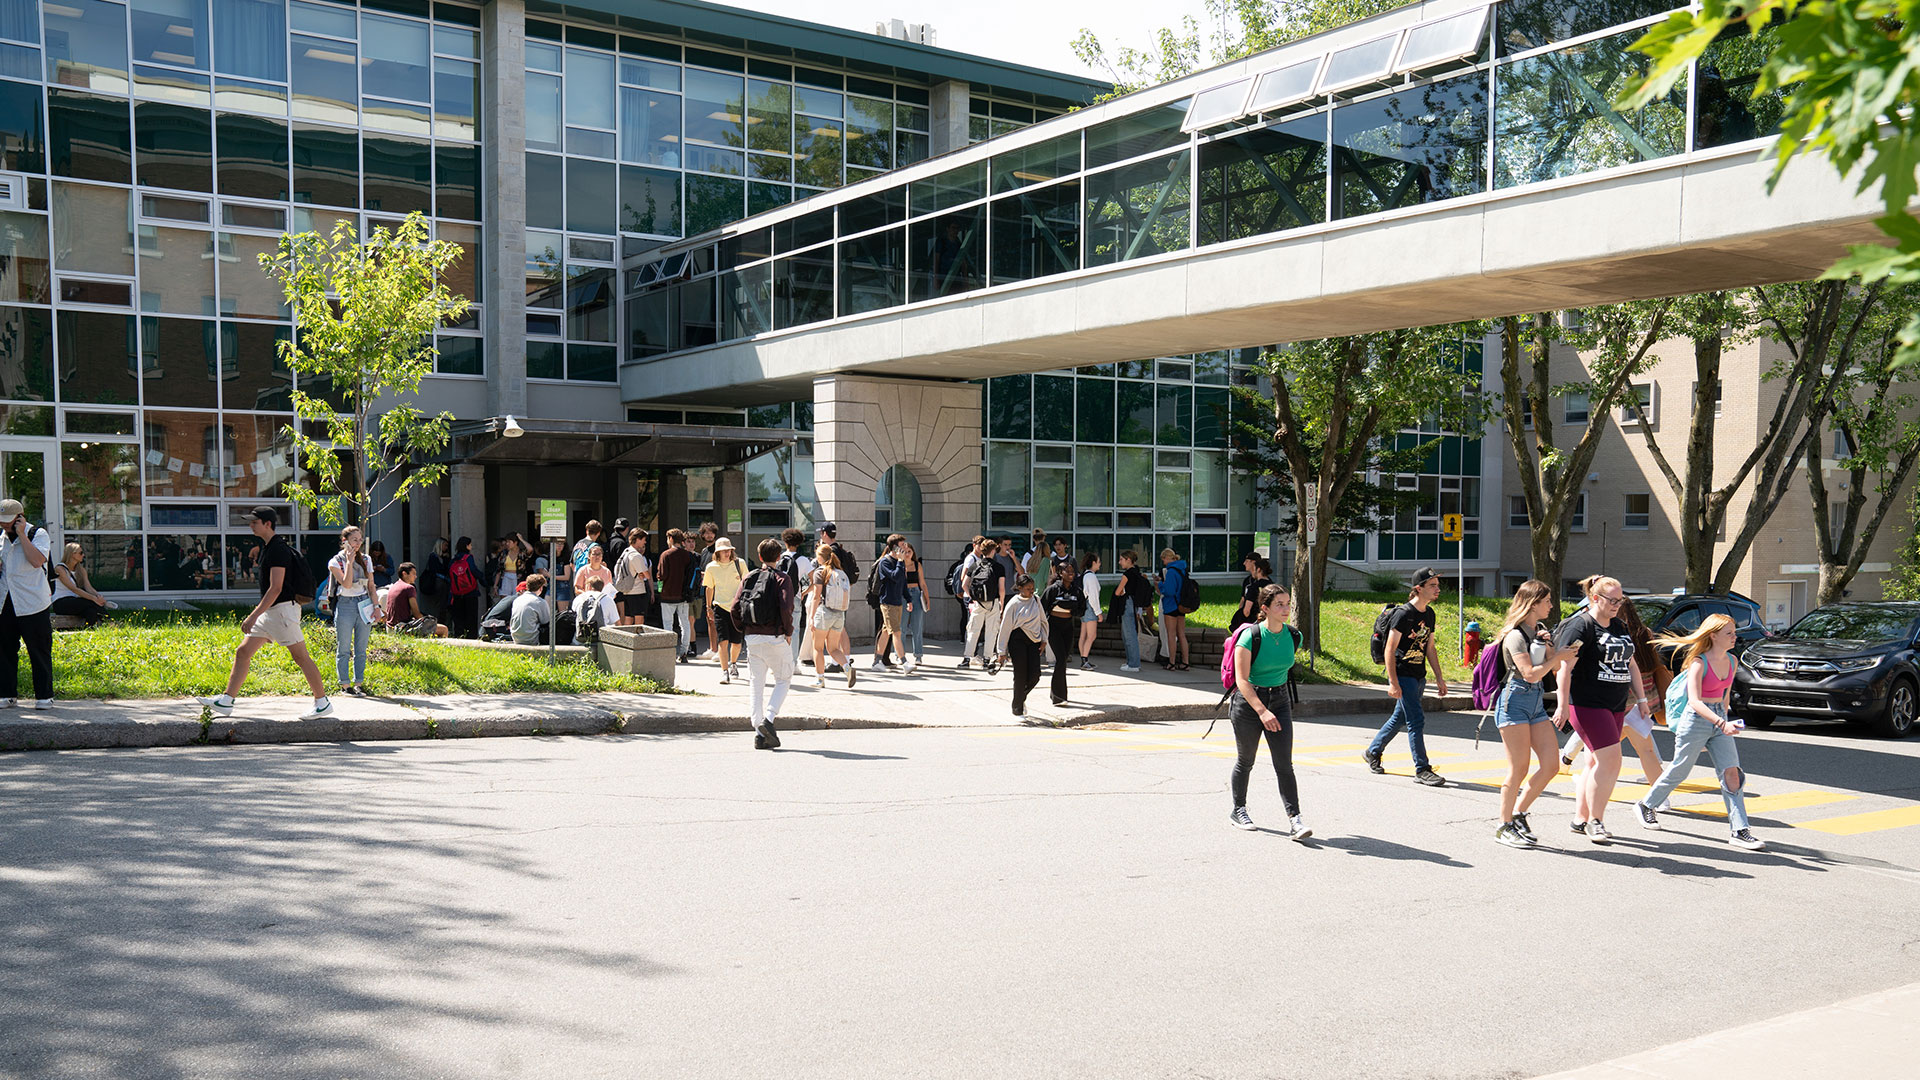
[(1650, 608), (1856, 623)]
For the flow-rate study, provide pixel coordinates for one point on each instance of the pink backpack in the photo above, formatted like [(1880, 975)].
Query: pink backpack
[(1228, 678)]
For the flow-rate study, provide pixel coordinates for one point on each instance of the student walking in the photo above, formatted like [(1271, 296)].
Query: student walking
[(1409, 649), (1065, 602), (1698, 716), (25, 551), (73, 592), (986, 584), (1130, 597), (914, 632), (1595, 689), (286, 584), (1023, 630), (764, 612), (830, 592), (1639, 722), (890, 577), (1091, 619), (1262, 660), (677, 567), (355, 610), (798, 568), (722, 583), (1173, 634), (1520, 713)]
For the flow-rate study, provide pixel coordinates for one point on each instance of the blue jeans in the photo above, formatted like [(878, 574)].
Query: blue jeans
[(1130, 633), (914, 625), (1692, 734), (1407, 712), (350, 635)]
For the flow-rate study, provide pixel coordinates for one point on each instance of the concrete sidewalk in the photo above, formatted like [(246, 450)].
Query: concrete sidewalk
[(937, 695), (1866, 1038)]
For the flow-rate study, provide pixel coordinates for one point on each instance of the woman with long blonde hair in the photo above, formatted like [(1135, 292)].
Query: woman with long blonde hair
[(1595, 690), (1701, 723), (1520, 713)]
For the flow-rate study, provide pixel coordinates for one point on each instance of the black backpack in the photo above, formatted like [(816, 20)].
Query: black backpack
[(759, 601), (1189, 594), (848, 565), (789, 565), (1382, 626), (981, 580), (873, 590), (956, 587), (586, 628), (299, 578)]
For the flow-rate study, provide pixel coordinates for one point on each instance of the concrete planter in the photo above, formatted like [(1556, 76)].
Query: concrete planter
[(638, 650)]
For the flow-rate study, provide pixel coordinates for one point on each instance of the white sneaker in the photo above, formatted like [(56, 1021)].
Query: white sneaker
[(911, 667), (212, 703), (726, 676), (321, 708), (1132, 668), (42, 703), (6, 703), (1300, 830), (819, 682)]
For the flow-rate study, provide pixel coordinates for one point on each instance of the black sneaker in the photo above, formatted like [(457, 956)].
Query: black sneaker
[(1648, 819), (1510, 835), (1745, 838), (1430, 778), (759, 741), (767, 739), (1373, 763), (1578, 826), (966, 662), (1240, 820), (1526, 830), (833, 669)]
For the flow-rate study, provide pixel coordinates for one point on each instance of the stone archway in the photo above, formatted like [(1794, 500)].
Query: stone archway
[(862, 426)]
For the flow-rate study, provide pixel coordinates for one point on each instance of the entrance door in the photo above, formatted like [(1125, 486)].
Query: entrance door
[(30, 472)]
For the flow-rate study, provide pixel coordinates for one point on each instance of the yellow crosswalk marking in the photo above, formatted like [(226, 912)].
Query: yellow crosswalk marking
[(1873, 821), (1792, 800)]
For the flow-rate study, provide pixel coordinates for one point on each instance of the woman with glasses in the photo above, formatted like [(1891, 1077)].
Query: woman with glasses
[(1595, 689)]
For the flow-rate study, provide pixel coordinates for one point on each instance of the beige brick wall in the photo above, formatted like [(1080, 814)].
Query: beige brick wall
[(1650, 559)]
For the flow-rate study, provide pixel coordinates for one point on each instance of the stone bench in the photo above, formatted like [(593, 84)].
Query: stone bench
[(622, 650), (68, 622)]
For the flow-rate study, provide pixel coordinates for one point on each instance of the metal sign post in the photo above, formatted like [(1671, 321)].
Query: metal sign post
[(553, 528), (1454, 528), (1313, 530)]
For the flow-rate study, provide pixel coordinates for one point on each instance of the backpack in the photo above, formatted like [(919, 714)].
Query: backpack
[(1676, 703), (299, 577), (980, 580), (1382, 626), (461, 575), (580, 553), (1189, 595), (837, 592), (758, 603), (586, 627), (848, 565), (789, 565), (873, 590), (1489, 675), (626, 572)]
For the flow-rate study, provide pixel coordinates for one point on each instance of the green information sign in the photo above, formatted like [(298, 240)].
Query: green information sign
[(733, 522), (553, 519)]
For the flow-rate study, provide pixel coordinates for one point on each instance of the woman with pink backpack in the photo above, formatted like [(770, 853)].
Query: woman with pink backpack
[(1262, 655)]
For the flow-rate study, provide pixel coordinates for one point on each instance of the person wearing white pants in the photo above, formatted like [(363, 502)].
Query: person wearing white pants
[(769, 651), (983, 616)]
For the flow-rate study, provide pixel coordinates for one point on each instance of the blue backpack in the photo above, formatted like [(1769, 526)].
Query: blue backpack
[(1676, 704)]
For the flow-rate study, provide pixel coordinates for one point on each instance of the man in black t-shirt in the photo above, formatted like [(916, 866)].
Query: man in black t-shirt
[(275, 618), (1409, 650)]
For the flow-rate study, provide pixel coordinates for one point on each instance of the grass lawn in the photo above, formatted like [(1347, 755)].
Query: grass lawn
[(146, 654), (1347, 628)]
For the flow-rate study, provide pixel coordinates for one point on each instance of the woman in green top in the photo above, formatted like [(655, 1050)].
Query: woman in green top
[(1260, 705)]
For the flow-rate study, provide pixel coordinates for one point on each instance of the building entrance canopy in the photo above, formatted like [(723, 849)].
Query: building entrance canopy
[(612, 443)]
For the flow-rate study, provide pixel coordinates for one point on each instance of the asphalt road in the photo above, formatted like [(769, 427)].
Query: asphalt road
[(920, 903)]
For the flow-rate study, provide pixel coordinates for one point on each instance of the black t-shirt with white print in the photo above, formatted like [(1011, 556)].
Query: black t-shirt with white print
[(1601, 676), (1416, 632)]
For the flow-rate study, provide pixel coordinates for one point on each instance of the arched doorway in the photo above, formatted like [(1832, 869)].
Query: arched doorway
[(896, 507)]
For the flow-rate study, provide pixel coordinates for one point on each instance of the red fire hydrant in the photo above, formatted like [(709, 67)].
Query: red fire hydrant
[(1470, 645)]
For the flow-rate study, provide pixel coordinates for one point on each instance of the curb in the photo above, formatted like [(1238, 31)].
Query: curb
[(580, 717)]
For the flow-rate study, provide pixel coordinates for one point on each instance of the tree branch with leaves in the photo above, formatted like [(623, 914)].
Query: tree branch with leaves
[(365, 313)]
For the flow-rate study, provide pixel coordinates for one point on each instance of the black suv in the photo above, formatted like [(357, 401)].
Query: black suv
[(1680, 614), (1854, 662)]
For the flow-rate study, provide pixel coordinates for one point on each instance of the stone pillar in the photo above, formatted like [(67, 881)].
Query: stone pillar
[(503, 243), (865, 425), (424, 515), (467, 486), (951, 103), (730, 504), (673, 503)]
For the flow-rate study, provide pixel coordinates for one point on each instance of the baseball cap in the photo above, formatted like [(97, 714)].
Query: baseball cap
[(10, 509), (828, 528), (1422, 576), (265, 513)]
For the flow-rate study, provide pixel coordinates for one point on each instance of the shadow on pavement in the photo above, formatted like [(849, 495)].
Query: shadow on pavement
[(1386, 849), (843, 755)]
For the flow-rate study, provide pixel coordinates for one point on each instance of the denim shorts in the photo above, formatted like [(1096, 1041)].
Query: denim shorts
[(1521, 702)]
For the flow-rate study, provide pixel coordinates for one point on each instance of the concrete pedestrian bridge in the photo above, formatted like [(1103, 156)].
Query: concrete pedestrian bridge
[(1445, 161)]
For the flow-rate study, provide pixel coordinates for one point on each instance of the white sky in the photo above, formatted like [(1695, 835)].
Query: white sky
[(1035, 32)]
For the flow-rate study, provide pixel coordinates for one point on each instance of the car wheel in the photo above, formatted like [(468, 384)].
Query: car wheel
[(1758, 719), (1902, 703)]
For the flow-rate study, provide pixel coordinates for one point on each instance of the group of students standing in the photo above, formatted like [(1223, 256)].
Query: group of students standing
[(1608, 671)]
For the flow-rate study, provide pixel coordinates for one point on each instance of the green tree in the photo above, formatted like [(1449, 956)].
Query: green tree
[(1850, 72), (1236, 28), (366, 312), (1336, 405)]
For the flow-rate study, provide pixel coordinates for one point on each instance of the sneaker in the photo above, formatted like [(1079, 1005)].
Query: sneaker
[(1745, 838), (1578, 826), (1019, 710), (1430, 778), (878, 664), (733, 671), (1597, 832), (833, 668), (40, 703), (767, 739), (1131, 669), (1510, 835), (1665, 807), (212, 703), (1240, 819), (993, 667), (726, 676), (1648, 819), (1526, 830), (321, 708), (759, 740), (1373, 762), (1566, 759), (808, 662), (1086, 664), (966, 662), (1300, 830), (356, 691), (819, 682), (851, 674)]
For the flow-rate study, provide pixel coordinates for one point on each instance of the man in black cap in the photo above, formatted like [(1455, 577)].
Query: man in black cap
[(847, 564), (1409, 650), (276, 618)]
